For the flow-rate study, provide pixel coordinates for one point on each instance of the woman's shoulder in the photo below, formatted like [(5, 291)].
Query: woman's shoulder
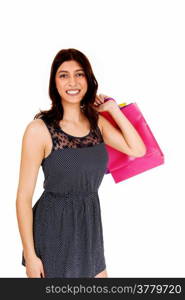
[(36, 128), (35, 124)]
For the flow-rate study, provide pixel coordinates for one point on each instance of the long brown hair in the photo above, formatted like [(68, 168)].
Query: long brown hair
[(55, 114)]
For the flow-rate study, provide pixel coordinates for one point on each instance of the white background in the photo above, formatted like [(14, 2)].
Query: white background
[(137, 52)]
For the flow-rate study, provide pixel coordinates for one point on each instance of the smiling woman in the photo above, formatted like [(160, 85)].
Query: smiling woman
[(66, 239)]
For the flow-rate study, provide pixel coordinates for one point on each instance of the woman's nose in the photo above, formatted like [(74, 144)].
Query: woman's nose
[(72, 80)]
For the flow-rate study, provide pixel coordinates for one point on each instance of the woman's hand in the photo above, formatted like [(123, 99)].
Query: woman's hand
[(34, 267), (99, 104)]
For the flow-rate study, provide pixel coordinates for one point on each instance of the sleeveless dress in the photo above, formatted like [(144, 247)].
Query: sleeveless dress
[(67, 225)]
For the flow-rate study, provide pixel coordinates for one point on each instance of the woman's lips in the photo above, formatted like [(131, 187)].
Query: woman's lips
[(73, 94)]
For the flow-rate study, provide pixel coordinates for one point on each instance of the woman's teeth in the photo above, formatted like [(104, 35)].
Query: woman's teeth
[(73, 92)]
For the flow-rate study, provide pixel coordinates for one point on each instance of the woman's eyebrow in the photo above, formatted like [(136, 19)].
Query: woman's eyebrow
[(68, 72)]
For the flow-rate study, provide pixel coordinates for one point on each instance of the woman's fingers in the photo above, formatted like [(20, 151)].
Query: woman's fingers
[(35, 268), (96, 102), (33, 274), (99, 100), (42, 272)]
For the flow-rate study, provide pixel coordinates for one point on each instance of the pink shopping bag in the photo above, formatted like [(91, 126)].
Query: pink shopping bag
[(120, 165)]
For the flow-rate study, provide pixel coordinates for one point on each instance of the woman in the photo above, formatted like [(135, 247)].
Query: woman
[(62, 235)]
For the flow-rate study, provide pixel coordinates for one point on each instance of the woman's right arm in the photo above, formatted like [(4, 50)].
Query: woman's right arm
[(33, 147)]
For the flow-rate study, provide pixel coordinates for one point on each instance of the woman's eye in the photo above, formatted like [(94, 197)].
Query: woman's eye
[(64, 75), (81, 74)]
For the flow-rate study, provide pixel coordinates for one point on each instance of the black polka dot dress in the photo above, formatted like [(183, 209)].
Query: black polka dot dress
[(67, 226)]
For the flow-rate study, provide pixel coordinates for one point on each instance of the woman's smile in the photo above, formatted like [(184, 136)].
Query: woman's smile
[(73, 92)]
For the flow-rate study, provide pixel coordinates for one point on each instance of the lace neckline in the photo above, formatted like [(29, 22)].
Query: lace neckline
[(78, 137)]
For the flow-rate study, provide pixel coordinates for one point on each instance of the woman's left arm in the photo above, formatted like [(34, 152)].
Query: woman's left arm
[(127, 139)]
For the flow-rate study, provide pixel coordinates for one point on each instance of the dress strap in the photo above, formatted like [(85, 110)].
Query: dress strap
[(99, 134)]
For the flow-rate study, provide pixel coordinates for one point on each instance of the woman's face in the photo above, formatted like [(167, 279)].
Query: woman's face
[(71, 76)]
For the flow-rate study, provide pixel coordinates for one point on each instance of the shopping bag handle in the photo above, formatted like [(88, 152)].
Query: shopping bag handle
[(110, 98)]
